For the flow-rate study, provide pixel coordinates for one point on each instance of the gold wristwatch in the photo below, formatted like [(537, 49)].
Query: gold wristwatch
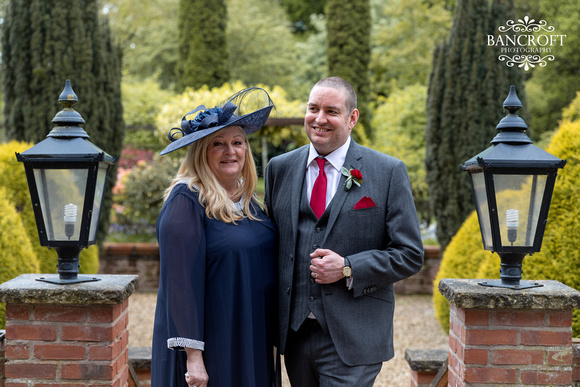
[(346, 270)]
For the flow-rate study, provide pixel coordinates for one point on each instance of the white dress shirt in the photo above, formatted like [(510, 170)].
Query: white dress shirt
[(331, 168)]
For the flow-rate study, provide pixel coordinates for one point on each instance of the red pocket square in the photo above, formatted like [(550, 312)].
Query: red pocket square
[(365, 202)]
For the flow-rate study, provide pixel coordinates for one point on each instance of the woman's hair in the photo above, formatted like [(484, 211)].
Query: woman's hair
[(196, 172)]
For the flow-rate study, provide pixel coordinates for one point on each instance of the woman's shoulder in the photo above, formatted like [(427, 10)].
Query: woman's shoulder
[(182, 192), (183, 188)]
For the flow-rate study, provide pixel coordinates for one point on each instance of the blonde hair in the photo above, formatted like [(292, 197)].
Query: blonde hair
[(196, 171)]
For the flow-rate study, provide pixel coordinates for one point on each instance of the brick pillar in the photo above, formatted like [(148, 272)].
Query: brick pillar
[(576, 361), (425, 365), (502, 336), (67, 334), (2, 333)]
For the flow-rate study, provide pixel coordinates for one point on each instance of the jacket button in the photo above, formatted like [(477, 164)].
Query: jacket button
[(291, 257), (287, 290), (312, 298), (312, 280)]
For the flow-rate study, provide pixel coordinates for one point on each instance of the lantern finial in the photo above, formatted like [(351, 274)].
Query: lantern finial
[(512, 127), (512, 103), (67, 121), (68, 97)]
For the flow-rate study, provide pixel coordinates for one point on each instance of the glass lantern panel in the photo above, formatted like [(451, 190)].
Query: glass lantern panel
[(99, 191), (482, 207), (62, 195), (519, 199)]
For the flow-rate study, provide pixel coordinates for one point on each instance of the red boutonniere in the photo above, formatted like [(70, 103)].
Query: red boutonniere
[(352, 176)]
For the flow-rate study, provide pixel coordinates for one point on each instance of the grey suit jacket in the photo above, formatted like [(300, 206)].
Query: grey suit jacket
[(383, 245)]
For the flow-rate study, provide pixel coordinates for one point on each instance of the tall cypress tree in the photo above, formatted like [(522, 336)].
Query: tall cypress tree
[(349, 53), (43, 44), (466, 90), (203, 57)]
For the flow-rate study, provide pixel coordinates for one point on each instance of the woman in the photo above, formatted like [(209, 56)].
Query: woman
[(216, 307)]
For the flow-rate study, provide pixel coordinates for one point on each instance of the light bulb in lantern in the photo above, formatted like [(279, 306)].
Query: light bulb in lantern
[(70, 218), (512, 223)]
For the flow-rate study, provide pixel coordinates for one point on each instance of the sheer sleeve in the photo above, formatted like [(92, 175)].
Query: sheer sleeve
[(182, 249)]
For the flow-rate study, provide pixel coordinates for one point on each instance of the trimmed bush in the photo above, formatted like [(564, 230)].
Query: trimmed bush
[(461, 259), (13, 178), (559, 258), (16, 253)]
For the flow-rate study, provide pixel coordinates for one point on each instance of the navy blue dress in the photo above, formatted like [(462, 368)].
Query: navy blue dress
[(217, 292)]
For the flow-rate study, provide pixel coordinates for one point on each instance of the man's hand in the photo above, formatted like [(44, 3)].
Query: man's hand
[(326, 266)]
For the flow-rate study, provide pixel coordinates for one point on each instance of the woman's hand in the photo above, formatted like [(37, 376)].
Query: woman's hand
[(196, 374)]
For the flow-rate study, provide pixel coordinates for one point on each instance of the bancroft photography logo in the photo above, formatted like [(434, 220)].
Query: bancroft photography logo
[(526, 43)]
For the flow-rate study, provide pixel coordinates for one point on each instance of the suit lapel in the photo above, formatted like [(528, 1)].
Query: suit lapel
[(353, 161), (298, 178)]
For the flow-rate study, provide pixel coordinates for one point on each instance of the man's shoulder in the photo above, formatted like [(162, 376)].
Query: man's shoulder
[(376, 156), (289, 157)]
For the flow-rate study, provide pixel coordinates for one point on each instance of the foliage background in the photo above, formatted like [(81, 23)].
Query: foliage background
[(467, 87), (203, 57)]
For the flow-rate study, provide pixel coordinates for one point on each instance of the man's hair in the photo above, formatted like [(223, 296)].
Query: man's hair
[(339, 83)]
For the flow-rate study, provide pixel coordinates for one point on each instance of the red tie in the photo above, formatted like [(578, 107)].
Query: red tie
[(318, 197)]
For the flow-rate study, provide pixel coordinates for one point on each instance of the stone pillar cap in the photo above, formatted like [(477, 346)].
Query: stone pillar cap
[(110, 289), (468, 294)]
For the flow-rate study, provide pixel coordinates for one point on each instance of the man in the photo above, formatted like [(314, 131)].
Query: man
[(344, 240)]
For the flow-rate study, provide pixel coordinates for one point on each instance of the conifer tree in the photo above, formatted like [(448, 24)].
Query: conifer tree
[(203, 58), (467, 87), (43, 44), (299, 12), (348, 36)]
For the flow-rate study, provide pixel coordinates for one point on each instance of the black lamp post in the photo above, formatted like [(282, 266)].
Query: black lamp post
[(66, 176), (512, 183)]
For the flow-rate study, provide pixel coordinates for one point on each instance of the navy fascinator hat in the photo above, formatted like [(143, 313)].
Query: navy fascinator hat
[(248, 109)]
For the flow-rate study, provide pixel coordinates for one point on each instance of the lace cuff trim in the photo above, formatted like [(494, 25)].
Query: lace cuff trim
[(182, 342)]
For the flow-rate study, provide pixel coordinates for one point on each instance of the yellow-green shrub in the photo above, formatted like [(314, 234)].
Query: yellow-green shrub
[(16, 253), (13, 178), (461, 259), (559, 258)]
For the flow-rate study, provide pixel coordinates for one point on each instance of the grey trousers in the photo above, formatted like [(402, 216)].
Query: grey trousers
[(312, 361)]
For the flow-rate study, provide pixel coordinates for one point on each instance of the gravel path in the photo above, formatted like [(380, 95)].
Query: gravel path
[(415, 327)]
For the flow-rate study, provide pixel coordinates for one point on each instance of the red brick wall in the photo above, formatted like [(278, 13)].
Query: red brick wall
[(576, 361), (422, 378), (422, 282), (1, 358), (510, 346), (143, 259), (144, 377), (67, 344), (132, 258)]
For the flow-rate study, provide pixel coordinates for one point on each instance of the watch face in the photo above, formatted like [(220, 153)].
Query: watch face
[(347, 271)]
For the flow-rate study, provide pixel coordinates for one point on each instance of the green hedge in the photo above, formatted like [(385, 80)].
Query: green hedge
[(559, 258)]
